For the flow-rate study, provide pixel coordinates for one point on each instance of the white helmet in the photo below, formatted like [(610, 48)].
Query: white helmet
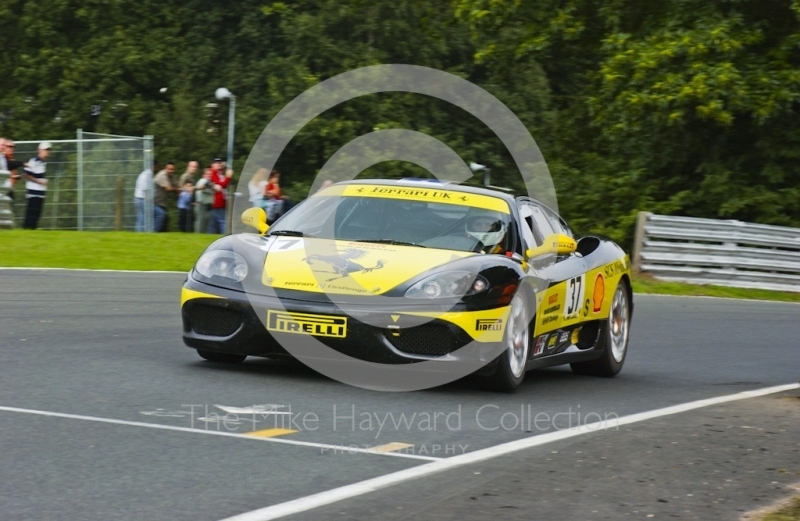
[(486, 227)]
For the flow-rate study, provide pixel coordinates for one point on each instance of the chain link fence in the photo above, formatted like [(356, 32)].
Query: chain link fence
[(91, 182)]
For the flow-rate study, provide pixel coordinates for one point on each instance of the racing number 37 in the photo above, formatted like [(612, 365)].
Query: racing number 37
[(574, 296)]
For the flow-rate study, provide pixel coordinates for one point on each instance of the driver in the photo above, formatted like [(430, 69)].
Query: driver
[(488, 229)]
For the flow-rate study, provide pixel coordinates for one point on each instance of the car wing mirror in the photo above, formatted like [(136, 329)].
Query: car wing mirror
[(555, 244), (256, 218)]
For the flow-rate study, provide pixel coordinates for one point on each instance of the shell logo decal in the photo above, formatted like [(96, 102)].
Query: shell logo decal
[(599, 293)]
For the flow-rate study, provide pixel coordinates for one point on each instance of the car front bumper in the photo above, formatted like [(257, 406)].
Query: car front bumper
[(229, 321)]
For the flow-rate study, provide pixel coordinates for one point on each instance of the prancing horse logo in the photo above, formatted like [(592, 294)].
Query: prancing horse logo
[(343, 264)]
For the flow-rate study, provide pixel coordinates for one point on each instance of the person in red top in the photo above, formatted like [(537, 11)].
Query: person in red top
[(273, 197), (219, 183)]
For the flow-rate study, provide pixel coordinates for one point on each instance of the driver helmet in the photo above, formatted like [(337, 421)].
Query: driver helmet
[(486, 227)]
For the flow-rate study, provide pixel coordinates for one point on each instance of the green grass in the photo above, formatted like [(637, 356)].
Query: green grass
[(179, 251), (790, 512), (101, 250), (645, 284)]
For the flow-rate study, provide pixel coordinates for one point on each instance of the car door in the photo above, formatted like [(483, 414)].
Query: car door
[(561, 305)]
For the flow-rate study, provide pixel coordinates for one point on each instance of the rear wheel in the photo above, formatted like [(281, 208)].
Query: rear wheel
[(511, 365), (613, 338), (225, 358)]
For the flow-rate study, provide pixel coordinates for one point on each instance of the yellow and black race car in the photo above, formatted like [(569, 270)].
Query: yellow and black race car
[(398, 272)]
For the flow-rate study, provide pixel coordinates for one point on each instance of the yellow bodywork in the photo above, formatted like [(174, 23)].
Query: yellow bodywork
[(579, 299), (347, 268)]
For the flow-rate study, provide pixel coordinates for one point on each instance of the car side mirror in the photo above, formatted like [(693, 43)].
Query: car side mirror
[(557, 243), (256, 218)]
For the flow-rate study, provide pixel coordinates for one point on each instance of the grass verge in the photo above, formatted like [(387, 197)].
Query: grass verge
[(101, 250), (179, 251), (790, 512), (646, 284)]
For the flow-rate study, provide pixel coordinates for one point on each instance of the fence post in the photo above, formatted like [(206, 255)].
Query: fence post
[(230, 203), (6, 215), (148, 200), (118, 209), (80, 179), (638, 241)]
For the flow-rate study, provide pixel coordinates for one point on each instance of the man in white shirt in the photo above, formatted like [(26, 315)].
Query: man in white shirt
[(140, 192), (36, 186)]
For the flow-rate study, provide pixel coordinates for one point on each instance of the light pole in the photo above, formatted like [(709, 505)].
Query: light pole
[(222, 94)]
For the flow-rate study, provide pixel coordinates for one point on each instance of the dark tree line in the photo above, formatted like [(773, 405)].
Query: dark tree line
[(681, 106)]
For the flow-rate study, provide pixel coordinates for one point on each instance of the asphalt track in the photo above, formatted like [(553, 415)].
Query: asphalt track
[(103, 350)]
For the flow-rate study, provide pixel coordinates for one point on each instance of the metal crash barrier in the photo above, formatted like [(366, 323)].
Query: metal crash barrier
[(719, 252)]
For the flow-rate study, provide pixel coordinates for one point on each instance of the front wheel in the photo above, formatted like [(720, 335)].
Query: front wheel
[(613, 340), (511, 365), (225, 358)]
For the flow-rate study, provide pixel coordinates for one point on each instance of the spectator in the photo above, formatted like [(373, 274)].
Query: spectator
[(164, 183), (203, 196), (257, 186), (185, 207), (189, 174), (140, 192), (189, 177), (219, 182), (275, 204), (7, 162), (36, 186)]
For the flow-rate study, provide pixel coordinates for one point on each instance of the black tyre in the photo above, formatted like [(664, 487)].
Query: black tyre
[(510, 370), (225, 358), (613, 338)]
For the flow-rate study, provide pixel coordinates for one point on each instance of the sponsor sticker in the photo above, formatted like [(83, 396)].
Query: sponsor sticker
[(574, 298), (539, 345), (490, 324), (551, 309), (563, 337), (553, 299), (551, 318), (551, 343), (427, 194), (306, 324), (615, 268), (599, 293)]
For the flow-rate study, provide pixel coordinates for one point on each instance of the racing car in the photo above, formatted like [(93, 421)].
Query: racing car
[(430, 268)]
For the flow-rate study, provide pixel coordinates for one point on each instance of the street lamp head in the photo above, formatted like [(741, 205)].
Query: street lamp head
[(475, 167), (223, 93)]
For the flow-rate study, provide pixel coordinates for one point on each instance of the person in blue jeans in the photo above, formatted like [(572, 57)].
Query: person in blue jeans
[(219, 183), (185, 199), (166, 187)]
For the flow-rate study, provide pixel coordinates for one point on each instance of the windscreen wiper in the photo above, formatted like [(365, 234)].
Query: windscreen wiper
[(391, 241), (289, 233)]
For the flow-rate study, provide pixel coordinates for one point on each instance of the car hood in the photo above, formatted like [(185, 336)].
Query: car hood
[(347, 267)]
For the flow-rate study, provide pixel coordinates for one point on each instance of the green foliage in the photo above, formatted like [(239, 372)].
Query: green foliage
[(681, 106)]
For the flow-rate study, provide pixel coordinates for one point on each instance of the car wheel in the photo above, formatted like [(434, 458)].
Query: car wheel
[(613, 338), (225, 358), (517, 339)]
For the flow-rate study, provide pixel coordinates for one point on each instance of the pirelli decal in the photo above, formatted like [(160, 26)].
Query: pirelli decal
[(492, 324), (306, 324)]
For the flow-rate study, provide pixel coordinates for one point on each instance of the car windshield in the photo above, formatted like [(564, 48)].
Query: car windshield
[(476, 223)]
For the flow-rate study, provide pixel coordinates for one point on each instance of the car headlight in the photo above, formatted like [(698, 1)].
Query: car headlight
[(222, 263), (448, 284)]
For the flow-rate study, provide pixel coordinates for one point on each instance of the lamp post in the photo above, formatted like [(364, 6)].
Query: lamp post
[(476, 167), (222, 94)]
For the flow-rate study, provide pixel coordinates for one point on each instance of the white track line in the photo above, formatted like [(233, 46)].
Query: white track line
[(364, 487), (345, 449), (155, 272)]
